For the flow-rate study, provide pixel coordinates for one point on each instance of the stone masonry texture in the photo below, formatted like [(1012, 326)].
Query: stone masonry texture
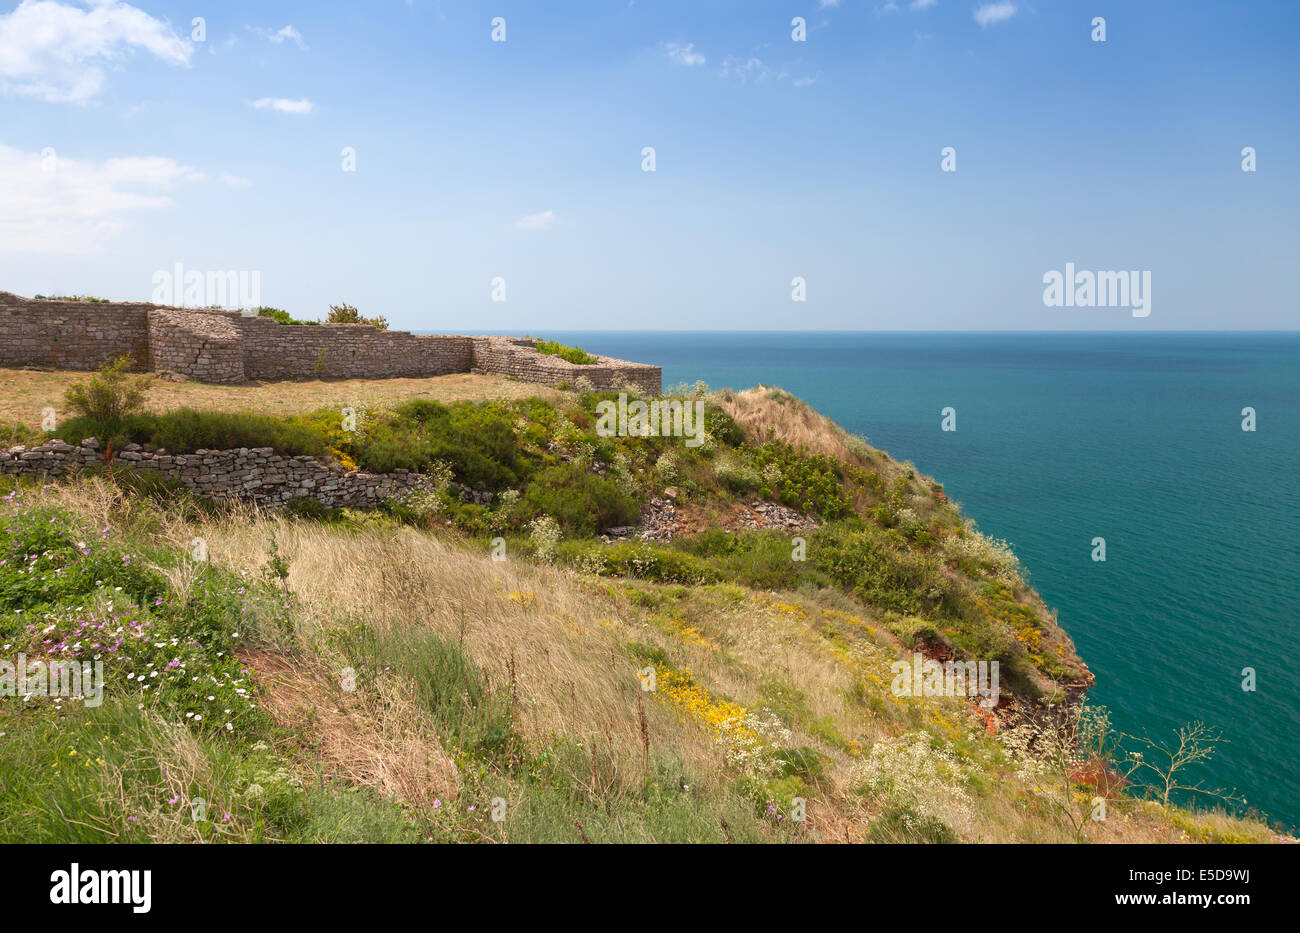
[(256, 474), (213, 345)]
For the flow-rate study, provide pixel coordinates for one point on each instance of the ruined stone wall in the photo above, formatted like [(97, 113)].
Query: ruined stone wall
[(207, 347), (346, 351), (227, 347), (71, 334), (257, 475), (511, 356)]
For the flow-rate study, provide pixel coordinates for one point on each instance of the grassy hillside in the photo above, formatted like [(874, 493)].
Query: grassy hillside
[(412, 672)]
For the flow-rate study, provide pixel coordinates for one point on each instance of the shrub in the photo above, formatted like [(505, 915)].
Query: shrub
[(575, 355), (281, 317), (545, 535), (347, 314), (110, 394), (811, 483), (737, 475), (877, 571), (723, 428), (477, 440), (580, 501)]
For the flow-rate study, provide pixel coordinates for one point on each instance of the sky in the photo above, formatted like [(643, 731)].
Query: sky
[(132, 140)]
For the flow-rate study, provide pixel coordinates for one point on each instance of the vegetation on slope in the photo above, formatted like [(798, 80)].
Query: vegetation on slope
[(380, 676)]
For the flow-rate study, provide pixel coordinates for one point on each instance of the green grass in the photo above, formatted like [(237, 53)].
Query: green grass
[(575, 355)]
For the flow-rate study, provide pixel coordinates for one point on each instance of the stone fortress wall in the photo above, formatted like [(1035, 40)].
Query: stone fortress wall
[(227, 347)]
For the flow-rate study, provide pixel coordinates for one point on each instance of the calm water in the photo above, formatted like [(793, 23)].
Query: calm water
[(1064, 437)]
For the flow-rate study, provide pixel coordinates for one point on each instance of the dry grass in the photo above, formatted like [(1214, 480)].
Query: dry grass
[(375, 738), (564, 642), (766, 413), (25, 393)]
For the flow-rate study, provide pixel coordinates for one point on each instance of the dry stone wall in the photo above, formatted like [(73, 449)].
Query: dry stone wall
[(257, 474), (206, 347), (72, 334), (227, 347)]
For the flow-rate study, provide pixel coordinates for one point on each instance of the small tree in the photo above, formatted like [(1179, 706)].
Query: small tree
[(346, 314), (110, 394)]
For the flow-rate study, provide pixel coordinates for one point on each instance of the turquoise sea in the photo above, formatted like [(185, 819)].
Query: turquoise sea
[(1064, 437)]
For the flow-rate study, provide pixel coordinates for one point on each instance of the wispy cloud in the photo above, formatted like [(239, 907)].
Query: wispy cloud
[(53, 51), (923, 4), (536, 221), (51, 204), (986, 14), (684, 54), (823, 4), (280, 36), (754, 69), (234, 181), (282, 104)]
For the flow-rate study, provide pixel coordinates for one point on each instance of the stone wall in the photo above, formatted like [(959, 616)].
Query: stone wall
[(72, 334), (257, 475), (516, 356), (346, 351), (227, 347), (207, 347)]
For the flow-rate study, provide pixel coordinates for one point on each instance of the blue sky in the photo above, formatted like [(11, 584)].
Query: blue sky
[(522, 159)]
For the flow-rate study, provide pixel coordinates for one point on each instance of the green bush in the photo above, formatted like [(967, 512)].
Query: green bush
[(875, 570), (477, 440), (723, 428), (281, 317), (579, 500), (346, 314), (110, 394), (575, 355), (811, 483)]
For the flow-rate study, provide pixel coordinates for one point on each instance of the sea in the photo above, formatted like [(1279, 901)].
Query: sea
[(1064, 438)]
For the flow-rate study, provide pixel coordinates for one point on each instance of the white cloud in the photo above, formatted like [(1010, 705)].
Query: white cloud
[(280, 36), (50, 204), (536, 221), (986, 14), (756, 70), (684, 54), (823, 4), (55, 51), (281, 104), (923, 4), (749, 69), (234, 181)]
